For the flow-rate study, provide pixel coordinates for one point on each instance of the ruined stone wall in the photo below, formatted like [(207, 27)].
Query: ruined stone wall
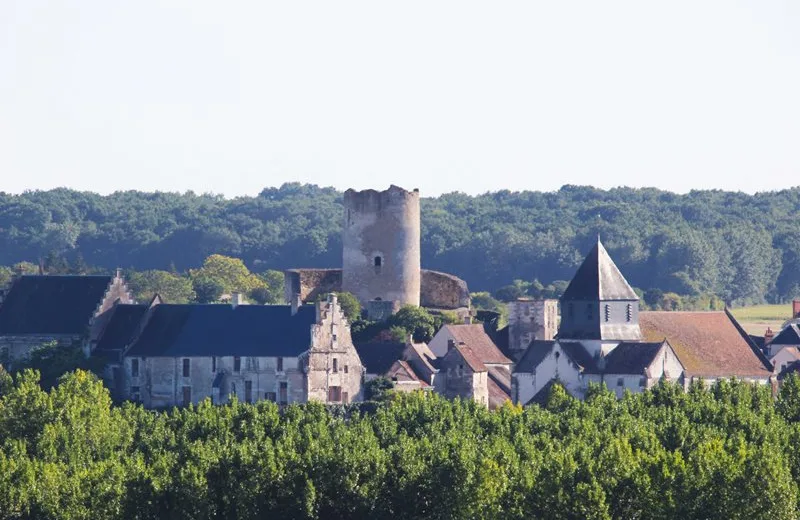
[(332, 360), (529, 320), (17, 348), (381, 245), (310, 283), (443, 291)]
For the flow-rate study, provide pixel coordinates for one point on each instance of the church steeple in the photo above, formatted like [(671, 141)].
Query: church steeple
[(599, 303)]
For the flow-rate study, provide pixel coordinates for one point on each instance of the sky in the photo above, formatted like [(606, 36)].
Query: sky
[(231, 97)]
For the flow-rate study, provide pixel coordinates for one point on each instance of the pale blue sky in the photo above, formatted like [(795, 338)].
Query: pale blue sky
[(229, 97)]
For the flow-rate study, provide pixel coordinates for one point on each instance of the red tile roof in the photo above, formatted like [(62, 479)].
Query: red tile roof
[(708, 344), (475, 337), (470, 358)]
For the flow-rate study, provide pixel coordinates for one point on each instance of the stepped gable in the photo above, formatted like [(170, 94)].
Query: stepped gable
[(47, 304), (708, 344), (222, 330), (598, 278)]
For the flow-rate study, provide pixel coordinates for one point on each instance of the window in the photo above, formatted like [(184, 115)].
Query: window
[(186, 368), (335, 394), (134, 368), (248, 391), (345, 397), (378, 261), (334, 338), (237, 364), (345, 369), (187, 395), (335, 365), (270, 396), (213, 363), (135, 393), (620, 382), (643, 382), (608, 312), (284, 392), (629, 312), (280, 364)]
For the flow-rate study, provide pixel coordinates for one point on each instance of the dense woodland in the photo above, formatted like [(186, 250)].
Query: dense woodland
[(728, 452), (741, 248)]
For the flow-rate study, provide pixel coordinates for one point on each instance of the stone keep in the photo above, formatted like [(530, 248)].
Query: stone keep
[(529, 320), (381, 245)]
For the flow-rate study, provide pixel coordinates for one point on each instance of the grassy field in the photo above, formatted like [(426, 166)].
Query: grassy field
[(757, 318)]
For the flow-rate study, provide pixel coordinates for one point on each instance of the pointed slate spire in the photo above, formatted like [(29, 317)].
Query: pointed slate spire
[(598, 279)]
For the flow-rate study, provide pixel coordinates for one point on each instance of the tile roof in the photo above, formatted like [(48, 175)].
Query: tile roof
[(475, 337), (401, 371), (598, 278), (471, 358), (631, 357), (43, 304), (222, 330), (789, 335), (708, 344), (499, 387), (121, 327), (378, 358)]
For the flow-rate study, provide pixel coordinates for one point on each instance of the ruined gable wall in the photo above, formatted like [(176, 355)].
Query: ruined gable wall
[(443, 291), (310, 283)]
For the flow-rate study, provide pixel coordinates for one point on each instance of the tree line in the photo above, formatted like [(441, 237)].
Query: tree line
[(739, 248), (728, 451)]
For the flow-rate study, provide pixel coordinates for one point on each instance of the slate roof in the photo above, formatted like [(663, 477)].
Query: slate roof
[(579, 355), (377, 358), (43, 304), (222, 330), (789, 335), (534, 354), (121, 327), (631, 357), (543, 394), (475, 337), (499, 386), (598, 278), (708, 344)]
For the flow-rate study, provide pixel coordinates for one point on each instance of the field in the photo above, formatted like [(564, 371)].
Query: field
[(757, 318)]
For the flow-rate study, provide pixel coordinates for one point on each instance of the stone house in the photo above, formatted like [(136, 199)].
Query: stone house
[(410, 366), (466, 376), (182, 354), (603, 338), (66, 309)]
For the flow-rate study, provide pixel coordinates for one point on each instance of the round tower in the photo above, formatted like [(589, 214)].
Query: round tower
[(381, 245)]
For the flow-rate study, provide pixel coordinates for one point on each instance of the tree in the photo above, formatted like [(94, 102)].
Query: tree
[(415, 321), (173, 288), (207, 289), (229, 273)]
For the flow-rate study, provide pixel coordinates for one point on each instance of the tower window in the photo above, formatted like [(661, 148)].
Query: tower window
[(629, 312), (608, 312), (378, 261)]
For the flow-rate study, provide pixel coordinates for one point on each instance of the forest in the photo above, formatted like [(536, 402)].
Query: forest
[(737, 247), (728, 451)]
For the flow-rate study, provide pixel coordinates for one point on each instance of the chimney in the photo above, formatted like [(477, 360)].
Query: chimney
[(795, 308), (237, 299), (768, 335), (296, 303), (118, 273)]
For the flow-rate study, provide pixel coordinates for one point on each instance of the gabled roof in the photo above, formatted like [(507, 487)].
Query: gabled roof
[(598, 278), (402, 372), (632, 357), (121, 327), (44, 304), (475, 337), (469, 357), (535, 354), (377, 358), (789, 335), (224, 330), (791, 351), (708, 344), (579, 355)]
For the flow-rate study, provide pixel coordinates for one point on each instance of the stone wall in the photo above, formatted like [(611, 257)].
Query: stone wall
[(443, 291), (381, 245), (160, 381), (529, 320), (332, 360), (19, 347), (310, 283)]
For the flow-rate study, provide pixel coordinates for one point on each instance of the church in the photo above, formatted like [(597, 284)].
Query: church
[(604, 338)]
